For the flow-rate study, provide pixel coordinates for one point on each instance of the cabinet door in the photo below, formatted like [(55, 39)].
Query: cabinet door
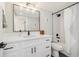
[(39, 50), (15, 53), (43, 48), (34, 50), (30, 51), (1, 52), (14, 50)]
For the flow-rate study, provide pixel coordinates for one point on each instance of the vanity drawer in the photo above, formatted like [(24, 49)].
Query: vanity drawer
[(14, 53), (46, 54), (47, 40), (44, 41), (28, 43), (45, 47)]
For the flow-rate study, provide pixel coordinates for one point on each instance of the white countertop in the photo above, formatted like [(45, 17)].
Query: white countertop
[(9, 39)]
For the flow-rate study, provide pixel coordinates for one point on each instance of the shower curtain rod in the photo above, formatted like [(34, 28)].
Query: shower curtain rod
[(65, 8)]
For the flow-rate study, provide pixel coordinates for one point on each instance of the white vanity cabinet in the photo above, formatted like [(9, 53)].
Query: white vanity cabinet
[(43, 48), (29, 48), (13, 50)]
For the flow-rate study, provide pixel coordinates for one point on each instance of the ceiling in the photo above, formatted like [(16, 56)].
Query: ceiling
[(53, 6), (50, 6)]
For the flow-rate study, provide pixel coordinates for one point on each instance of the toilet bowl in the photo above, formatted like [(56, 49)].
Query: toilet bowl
[(56, 48)]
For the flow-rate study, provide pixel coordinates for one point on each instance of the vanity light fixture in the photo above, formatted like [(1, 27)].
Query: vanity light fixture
[(31, 6)]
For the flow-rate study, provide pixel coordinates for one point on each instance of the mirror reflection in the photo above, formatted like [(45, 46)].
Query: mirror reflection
[(26, 19)]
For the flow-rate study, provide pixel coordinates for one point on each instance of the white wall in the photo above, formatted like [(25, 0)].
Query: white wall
[(8, 16), (8, 11), (46, 21), (58, 26), (55, 27), (1, 16)]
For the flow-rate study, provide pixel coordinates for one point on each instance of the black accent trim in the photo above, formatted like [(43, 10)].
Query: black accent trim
[(13, 18), (62, 55), (52, 56)]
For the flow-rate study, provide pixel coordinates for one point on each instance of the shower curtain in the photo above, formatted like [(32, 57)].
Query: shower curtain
[(71, 30)]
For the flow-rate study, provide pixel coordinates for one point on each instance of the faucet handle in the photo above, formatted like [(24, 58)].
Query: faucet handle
[(57, 36), (28, 33)]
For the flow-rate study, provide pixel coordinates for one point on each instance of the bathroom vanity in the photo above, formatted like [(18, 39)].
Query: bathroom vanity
[(18, 21), (39, 46)]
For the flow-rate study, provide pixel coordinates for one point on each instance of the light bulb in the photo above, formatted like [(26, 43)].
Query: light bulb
[(37, 6)]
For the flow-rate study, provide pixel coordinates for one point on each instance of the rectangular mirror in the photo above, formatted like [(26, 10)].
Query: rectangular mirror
[(25, 19)]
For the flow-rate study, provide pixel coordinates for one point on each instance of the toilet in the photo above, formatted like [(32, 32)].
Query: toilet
[(56, 46)]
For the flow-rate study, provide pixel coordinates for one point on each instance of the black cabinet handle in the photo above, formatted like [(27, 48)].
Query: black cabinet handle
[(32, 50), (35, 49), (8, 48), (47, 46), (47, 40)]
